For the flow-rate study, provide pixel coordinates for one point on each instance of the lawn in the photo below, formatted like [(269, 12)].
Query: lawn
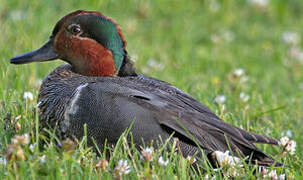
[(242, 59)]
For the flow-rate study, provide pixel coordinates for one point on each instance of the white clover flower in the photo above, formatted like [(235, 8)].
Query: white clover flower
[(102, 164), (3, 161), (263, 171), (288, 145), (17, 15), (209, 177), (239, 72), (22, 140), (161, 161), (228, 36), (244, 79), (122, 168), (272, 175), (26, 138), (296, 53), (32, 147), (291, 37), (262, 3), (214, 6), (206, 176), (223, 158), (281, 177), (28, 95), (220, 99), (191, 159), (291, 147), (244, 97), (42, 159), (147, 153), (284, 140)]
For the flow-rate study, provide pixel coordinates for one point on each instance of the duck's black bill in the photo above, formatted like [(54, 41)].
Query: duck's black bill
[(45, 53)]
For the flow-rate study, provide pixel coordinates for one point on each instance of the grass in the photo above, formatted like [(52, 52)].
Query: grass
[(195, 45)]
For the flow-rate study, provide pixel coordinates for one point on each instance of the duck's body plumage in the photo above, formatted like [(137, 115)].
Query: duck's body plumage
[(101, 89), (108, 106)]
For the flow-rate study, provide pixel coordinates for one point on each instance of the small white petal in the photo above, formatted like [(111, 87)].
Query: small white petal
[(291, 147), (239, 72), (147, 154), (209, 177), (261, 3), (296, 53), (3, 161), (228, 36), (17, 15), (161, 161), (244, 97), (281, 177), (191, 159), (147, 150), (225, 159), (32, 147), (214, 6), (42, 159), (220, 99), (244, 79), (122, 167), (28, 95), (273, 174), (291, 37), (284, 140), (26, 138)]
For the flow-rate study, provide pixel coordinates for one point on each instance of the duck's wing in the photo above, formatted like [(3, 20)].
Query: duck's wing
[(180, 97), (210, 132), (184, 101), (215, 136)]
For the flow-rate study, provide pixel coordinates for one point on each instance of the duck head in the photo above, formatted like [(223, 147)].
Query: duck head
[(91, 42)]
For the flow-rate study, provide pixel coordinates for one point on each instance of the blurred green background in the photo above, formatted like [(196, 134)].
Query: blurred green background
[(249, 52)]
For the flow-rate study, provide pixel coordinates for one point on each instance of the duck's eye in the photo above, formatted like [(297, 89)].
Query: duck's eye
[(74, 29)]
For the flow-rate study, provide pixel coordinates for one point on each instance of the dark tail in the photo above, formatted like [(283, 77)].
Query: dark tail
[(257, 138)]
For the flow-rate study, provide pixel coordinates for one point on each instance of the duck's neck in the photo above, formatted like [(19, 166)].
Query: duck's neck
[(102, 64), (104, 67), (90, 58)]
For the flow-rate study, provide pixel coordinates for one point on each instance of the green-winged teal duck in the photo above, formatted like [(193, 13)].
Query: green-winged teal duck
[(100, 88)]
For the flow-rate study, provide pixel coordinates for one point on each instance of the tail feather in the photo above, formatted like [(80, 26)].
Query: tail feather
[(263, 139), (257, 138)]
